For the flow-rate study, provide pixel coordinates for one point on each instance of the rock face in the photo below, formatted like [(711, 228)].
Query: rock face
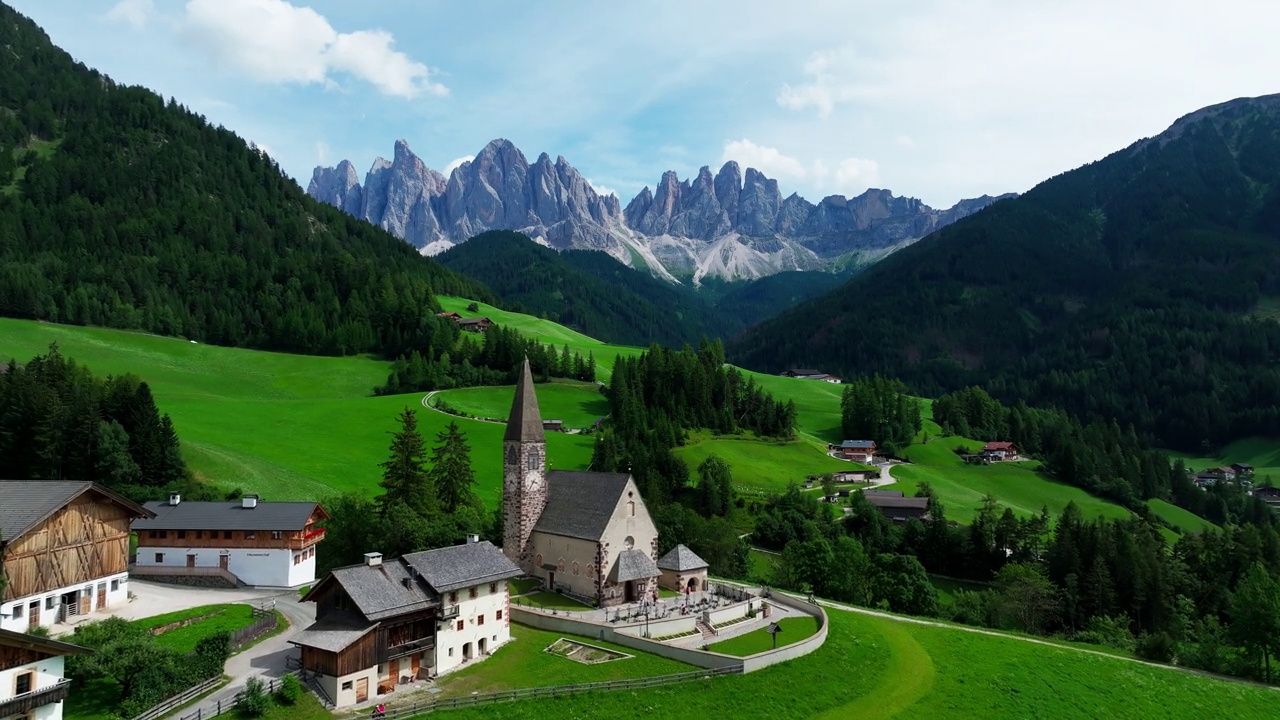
[(730, 225)]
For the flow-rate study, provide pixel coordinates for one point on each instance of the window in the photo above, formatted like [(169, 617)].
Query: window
[(537, 560), (48, 602), (24, 683), (631, 508), (226, 534), (346, 685), (498, 615), (453, 597), (250, 535), (480, 620), (115, 585), (560, 565), (493, 588), (159, 557), (17, 611), (461, 624), (450, 652), (277, 534), (153, 533), (575, 568), (182, 534), (495, 638), (297, 558), (473, 592)]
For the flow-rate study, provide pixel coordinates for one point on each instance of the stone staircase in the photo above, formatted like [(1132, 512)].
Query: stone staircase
[(706, 629)]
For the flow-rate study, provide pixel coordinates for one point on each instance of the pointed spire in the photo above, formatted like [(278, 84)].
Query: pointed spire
[(525, 422)]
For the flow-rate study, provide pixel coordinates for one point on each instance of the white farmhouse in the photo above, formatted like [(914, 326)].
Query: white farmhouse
[(32, 683)]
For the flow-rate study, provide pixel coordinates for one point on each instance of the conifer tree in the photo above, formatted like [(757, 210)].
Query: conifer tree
[(451, 475), (404, 476)]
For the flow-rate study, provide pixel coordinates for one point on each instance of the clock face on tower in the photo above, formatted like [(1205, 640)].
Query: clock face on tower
[(533, 479)]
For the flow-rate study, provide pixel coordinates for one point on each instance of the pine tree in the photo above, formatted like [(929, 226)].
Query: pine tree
[(404, 477), (451, 475)]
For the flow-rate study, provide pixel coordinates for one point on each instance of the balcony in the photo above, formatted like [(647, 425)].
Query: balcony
[(449, 613), (411, 648), (306, 538), (25, 703)]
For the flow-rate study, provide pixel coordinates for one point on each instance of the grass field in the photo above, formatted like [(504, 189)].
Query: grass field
[(547, 331), (229, 617), (947, 587), (874, 667), (762, 464), (817, 404), (962, 487), (288, 427), (1183, 521), (761, 565), (578, 404), (794, 629), (522, 663), (1262, 453)]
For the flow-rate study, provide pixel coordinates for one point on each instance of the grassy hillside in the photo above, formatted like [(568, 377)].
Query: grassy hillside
[(546, 331), (1262, 453), (872, 667), (578, 404), (1018, 485), (763, 464), (1182, 520), (286, 426)]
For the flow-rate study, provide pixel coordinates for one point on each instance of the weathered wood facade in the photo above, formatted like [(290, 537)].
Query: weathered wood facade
[(85, 540)]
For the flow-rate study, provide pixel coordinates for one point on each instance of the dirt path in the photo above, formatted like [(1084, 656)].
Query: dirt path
[(426, 403)]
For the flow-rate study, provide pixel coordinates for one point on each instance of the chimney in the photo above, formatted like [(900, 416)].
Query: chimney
[(174, 498), (373, 559), (248, 502), (406, 582), (473, 539)]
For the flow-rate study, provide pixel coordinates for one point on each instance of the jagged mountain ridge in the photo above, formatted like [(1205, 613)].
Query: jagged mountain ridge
[(729, 225)]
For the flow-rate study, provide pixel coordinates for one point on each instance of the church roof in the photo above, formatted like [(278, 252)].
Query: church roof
[(580, 504), (633, 565), (525, 422), (449, 568), (681, 558)]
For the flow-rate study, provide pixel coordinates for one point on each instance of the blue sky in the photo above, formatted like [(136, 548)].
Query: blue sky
[(939, 99)]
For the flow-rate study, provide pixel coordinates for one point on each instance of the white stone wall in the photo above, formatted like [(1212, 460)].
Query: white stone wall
[(48, 672), (579, 573), (452, 643), (50, 602), (266, 567), (344, 697), (633, 522)]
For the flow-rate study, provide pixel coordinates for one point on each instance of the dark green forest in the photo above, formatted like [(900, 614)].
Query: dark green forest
[(586, 290), (1128, 288), (120, 209)]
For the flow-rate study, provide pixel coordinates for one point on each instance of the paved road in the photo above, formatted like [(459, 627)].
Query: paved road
[(267, 658)]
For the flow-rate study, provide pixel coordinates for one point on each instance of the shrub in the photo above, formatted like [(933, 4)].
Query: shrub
[(254, 701), (473, 307), (1157, 647), (1109, 631), (290, 690)]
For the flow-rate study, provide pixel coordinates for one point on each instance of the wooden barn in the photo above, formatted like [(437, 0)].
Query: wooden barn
[(65, 550)]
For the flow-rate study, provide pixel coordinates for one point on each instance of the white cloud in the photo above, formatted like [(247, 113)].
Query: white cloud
[(823, 90), (854, 175), (455, 163), (601, 190), (322, 152), (767, 160), (276, 42), (133, 12)]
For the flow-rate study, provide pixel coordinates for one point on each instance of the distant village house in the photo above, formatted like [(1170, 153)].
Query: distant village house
[(267, 544), (810, 374), (65, 549), (480, 324), (1000, 452), (898, 508), (553, 425), (861, 451)]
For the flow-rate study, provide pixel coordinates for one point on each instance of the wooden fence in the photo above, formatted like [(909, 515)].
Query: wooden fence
[(180, 699), (222, 706), (263, 625)]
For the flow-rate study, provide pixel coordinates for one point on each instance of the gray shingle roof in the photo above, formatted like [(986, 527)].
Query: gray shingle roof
[(884, 493), (332, 633), (29, 502), (858, 444), (460, 566), (805, 371), (382, 591), (227, 515), (525, 422), (579, 504), (633, 565), (681, 558), (888, 501)]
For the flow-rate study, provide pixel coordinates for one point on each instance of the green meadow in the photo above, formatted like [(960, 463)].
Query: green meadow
[(289, 427), (1182, 521), (1018, 485), (877, 667), (1262, 453), (764, 465), (577, 404)]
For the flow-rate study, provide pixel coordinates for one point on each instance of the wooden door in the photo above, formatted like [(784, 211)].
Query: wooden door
[(33, 615), (102, 596), (86, 597), (224, 561), (362, 689), (414, 665), (191, 561)]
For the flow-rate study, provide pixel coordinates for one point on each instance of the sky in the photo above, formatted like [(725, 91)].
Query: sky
[(936, 99)]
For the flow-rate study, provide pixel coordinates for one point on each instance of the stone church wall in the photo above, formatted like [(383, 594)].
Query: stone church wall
[(574, 558)]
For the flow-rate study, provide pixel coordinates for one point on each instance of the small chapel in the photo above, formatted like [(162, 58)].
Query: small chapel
[(588, 534)]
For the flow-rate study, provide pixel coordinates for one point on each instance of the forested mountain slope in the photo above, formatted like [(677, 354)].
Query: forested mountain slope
[(586, 290), (119, 209), (1124, 289)]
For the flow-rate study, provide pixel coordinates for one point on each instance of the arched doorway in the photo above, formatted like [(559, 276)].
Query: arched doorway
[(629, 591), (693, 584)]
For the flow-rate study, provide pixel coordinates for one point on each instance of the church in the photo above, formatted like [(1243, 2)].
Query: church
[(587, 534)]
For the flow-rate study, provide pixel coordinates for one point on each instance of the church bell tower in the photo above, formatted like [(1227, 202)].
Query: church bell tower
[(524, 472)]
